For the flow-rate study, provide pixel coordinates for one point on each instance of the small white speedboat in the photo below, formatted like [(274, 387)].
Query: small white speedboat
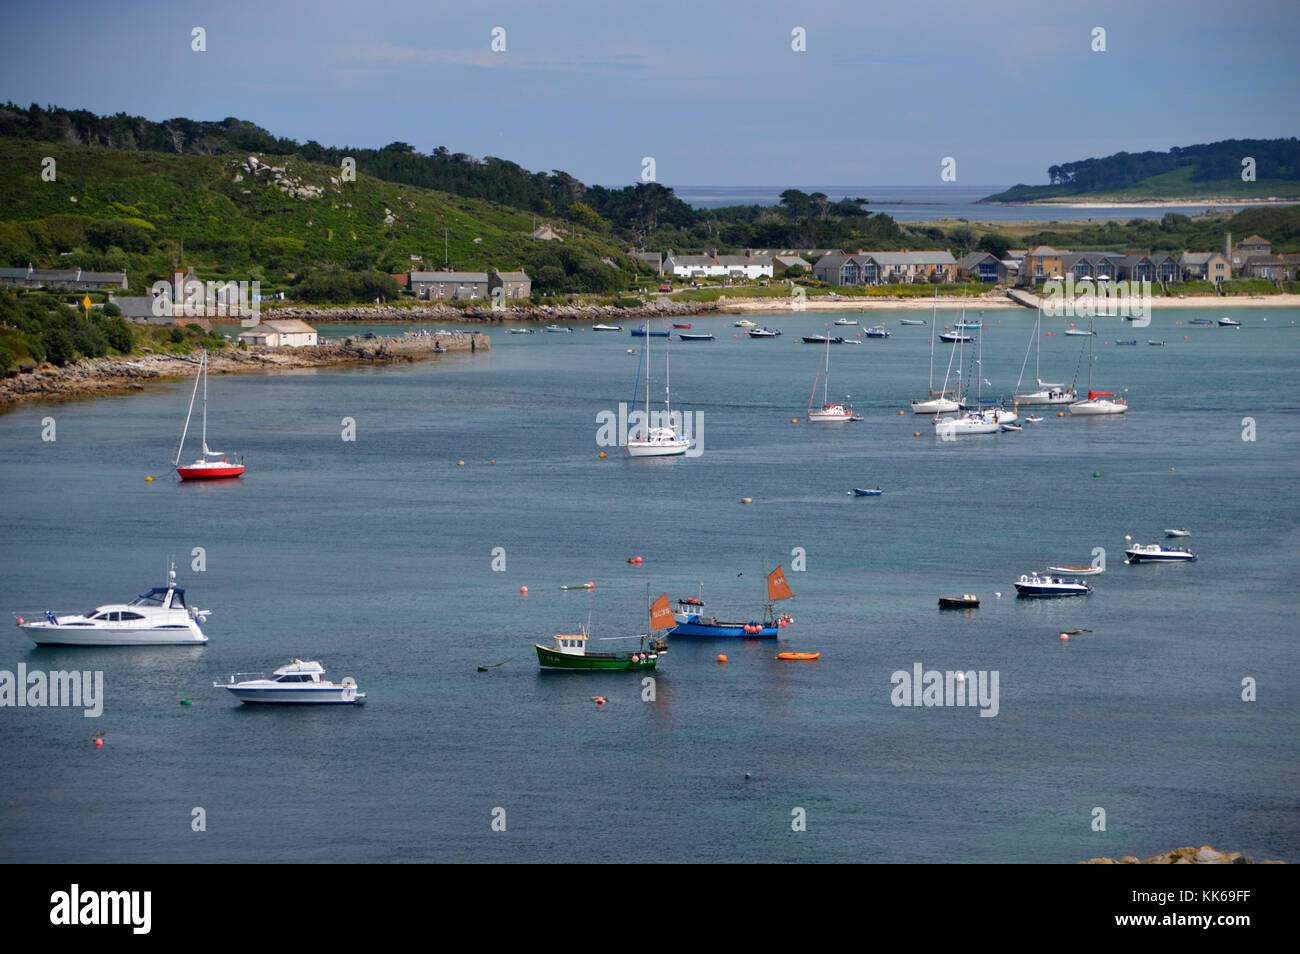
[(846, 321), (298, 683), (606, 327), (1177, 532), (1226, 322), (744, 323)]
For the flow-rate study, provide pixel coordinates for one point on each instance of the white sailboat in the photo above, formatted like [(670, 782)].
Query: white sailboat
[(213, 465), (939, 402), (1048, 392), (1098, 402), (980, 420), (828, 413), (662, 441)]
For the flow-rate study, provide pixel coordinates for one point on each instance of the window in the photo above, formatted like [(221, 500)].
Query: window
[(126, 617)]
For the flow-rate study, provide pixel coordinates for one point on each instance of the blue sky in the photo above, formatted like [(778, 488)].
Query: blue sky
[(713, 91)]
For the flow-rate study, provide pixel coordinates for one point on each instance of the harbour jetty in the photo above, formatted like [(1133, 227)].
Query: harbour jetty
[(94, 376)]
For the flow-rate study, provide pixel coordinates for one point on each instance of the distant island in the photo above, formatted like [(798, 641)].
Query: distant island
[(1209, 174)]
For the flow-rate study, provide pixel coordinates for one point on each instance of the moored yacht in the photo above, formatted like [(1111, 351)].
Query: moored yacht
[(1156, 553), (156, 618), (298, 683), (1046, 585)]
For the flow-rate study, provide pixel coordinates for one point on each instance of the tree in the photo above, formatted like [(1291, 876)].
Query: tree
[(995, 244)]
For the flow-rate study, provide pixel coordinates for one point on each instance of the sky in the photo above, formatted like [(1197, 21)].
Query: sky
[(714, 92)]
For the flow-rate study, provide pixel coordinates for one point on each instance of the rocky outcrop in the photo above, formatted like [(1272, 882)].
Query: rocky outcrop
[(279, 176), (1184, 856), (95, 376)]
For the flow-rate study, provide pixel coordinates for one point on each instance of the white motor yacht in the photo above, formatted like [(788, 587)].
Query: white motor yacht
[(157, 618), (298, 683)]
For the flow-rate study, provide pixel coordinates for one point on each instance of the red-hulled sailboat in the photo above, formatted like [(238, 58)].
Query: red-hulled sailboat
[(213, 465)]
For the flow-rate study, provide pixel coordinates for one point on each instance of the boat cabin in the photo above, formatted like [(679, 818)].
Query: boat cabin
[(573, 645), (163, 597), (299, 671)]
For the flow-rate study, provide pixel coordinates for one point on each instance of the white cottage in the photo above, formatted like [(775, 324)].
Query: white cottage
[(285, 333)]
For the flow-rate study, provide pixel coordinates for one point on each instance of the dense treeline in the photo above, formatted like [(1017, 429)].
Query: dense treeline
[(1220, 163), (37, 327), (646, 213), (40, 328), (1274, 159)]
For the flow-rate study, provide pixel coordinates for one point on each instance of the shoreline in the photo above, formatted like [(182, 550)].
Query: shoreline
[(110, 375), (92, 377), (1210, 201)]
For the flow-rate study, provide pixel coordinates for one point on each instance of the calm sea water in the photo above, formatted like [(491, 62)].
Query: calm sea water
[(927, 203), (375, 557)]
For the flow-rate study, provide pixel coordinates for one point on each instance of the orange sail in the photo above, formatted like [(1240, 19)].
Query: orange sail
[(661, 615), (777, 588)]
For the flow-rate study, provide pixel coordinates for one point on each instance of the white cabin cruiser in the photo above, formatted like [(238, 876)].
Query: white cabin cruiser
[(1046, 585), (298, 683), (1156, 553), (159, 617)]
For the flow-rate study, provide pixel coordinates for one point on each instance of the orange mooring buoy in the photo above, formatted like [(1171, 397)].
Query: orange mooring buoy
[(523, 590), (721, 658)]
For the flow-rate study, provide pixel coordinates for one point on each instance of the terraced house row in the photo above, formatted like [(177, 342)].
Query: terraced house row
[(1250, 258), (877, 268)]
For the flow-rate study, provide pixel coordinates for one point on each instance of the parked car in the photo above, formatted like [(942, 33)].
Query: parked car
[(666, 286)]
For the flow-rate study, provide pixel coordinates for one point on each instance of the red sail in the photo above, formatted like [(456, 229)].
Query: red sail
[(661, 615), (777, 588), (1093, 395)]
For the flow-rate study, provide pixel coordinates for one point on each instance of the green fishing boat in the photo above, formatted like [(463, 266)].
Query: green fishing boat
[(570, 650)]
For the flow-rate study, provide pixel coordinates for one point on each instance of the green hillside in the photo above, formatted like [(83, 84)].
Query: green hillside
[(112, 209), (1211, 171)]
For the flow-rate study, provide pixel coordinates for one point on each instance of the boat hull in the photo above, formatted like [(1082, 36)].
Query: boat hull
[(937, 406), (1048, 592), (336, 696), (593, 662), (1167, 557), (213, 472), (1096, 408), (724, 630), (44, 634), (648, 449), (1047, 398)]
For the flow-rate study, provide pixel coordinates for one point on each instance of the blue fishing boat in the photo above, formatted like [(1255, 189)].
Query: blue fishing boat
[(867, 493), (642, 332), (692, 621)]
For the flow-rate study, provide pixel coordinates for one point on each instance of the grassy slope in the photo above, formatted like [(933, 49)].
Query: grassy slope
[(227, 232)]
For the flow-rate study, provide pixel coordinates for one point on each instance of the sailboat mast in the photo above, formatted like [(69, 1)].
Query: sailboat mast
[(1038, 342), (933, 310), (185, 430), (203, 367), (668, 403), (826, 350)]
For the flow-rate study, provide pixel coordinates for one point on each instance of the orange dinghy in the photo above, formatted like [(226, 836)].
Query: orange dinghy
[(798, 655)]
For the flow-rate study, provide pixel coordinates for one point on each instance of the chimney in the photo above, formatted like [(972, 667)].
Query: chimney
[(1227, 246)]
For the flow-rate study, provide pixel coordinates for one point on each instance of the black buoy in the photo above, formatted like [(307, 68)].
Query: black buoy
[(747, 775), (482, 668)]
